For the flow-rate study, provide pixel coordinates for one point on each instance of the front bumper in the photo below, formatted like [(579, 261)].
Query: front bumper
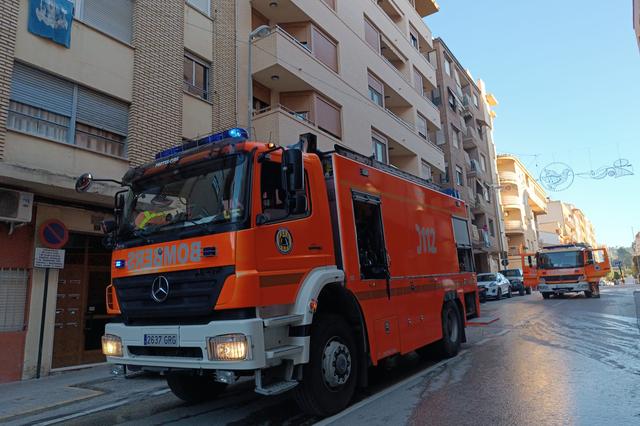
[(564, 287), (193, 337)]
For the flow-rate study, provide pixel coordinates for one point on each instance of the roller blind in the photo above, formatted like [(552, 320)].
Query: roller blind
[(328, 117), (324, 49), (13, 298), (102, 111), (114, 17), (36, 88)]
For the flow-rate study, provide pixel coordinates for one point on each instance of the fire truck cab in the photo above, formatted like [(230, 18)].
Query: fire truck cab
[(560, 269), (298, 268)]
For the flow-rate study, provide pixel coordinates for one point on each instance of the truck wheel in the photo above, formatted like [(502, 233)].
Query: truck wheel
[(546, 295), (192, 389), (449, 346), (588, 294), (521, 292), (528, 290), (329, 379)]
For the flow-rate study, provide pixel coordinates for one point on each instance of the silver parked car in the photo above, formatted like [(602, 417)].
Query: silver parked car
[(496, 284)]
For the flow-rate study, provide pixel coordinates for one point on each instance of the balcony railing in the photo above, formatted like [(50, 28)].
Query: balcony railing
[(508, 176)]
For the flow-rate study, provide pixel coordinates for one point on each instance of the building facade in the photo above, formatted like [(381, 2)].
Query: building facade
[(136, 77), (522, 200), (355, 74), (568, 222), (465, 138)]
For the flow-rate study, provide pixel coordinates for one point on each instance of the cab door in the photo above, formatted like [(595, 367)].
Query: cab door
[(597, 264), (529, 270), (288, 246)]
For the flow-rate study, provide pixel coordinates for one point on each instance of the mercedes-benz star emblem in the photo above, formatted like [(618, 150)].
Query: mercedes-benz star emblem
[(160, 289)]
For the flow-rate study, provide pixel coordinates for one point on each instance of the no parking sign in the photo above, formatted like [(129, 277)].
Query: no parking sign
[(53, 234)]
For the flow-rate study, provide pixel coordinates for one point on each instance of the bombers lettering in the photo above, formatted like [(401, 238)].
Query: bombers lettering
[(169, 255)]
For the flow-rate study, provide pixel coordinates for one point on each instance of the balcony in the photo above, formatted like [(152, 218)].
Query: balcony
[(514, 227), (426, 7), (283, 127), (470, 139), (507, 176), (474, 169)]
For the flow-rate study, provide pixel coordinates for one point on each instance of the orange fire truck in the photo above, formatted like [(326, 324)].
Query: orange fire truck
[(298, 268), (566, 268)]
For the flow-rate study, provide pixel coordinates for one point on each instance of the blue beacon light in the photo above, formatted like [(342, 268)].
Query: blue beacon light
[(234, 134), (120, 264)]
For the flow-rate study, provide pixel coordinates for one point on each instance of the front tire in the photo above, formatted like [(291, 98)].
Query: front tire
[(192, 388), (588, 294), (509, 294), (499, 295), (449, 346), (546, 295), (329, 379), (521, 292), (528, 290)]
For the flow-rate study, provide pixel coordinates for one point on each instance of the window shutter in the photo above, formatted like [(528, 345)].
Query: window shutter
[(102, 111), (371, 35), (114, 17), (324, 49), (13, 299), (41, 90), (328, 117)]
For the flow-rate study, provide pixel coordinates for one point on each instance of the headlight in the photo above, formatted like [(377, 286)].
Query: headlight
[(228, 347), (111, 345)]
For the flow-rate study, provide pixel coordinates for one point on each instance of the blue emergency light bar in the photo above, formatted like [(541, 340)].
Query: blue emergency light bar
[(235, 134)]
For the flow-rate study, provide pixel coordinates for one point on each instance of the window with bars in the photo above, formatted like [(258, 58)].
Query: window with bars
[(196, 77), (13, 298)]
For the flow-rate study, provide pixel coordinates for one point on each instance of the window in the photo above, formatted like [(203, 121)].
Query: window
[(371, 35), (447, 66), (463, 243), (113, 17), (376, 91), (196, 77), (413, 37), (480, 131), (13, 299), (487, 193), (370, 237), (421, 125), (492, 229), (42, 105), (455, 137), (459, 176), (452, 99), (274, 204), (475, 100), (379, 148), (445, 177), (203, 6), (483, 163), (328, 117), (426, 170), (324, 48)]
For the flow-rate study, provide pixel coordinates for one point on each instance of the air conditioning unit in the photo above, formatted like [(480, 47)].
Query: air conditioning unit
[(15, 206)]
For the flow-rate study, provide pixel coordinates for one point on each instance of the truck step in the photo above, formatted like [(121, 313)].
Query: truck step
[(282, 320), (283, 351), (276, 388)]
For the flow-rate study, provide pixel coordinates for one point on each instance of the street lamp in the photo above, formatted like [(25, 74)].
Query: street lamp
[(261, 31)]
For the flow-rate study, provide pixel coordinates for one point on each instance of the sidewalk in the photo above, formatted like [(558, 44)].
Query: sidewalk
[(67, 392)]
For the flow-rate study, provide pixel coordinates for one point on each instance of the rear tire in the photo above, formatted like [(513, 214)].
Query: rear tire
[(449, 346), (588, 294), (509, 294), (528, 290), (192, 389), (546, 295), (521, 292), (329, 379)]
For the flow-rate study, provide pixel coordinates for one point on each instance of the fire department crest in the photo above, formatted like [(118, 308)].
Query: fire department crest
[(284, 241)]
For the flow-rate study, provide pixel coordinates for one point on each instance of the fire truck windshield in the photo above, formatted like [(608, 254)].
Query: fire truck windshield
[(199, 196), (560, 259)]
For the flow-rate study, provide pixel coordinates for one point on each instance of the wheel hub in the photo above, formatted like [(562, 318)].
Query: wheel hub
[(336, 364)]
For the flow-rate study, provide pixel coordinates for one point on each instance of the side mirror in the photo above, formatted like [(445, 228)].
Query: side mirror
[(293, 170), (108, 226), (84, 182)]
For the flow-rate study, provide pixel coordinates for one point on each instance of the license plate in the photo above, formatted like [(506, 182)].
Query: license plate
[(161, 340)]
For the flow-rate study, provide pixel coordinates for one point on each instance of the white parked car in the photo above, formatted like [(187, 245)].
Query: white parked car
[(497, 285)]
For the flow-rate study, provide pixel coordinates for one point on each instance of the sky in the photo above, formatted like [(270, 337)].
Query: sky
[(566, 74)]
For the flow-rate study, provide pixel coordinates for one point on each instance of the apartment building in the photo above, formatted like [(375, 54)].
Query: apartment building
[(568, 222), (351, 73), (131, 78), (465, 138), (522, 200)]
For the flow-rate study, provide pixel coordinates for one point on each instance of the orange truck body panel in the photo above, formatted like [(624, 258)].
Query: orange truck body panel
[(407, 319)]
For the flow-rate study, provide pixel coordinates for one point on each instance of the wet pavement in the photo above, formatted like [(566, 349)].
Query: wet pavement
[(561, 361)]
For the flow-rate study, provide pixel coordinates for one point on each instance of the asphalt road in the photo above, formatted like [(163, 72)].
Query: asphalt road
[(560, 361)]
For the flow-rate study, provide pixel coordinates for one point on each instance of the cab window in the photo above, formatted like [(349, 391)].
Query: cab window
[(273, 196)]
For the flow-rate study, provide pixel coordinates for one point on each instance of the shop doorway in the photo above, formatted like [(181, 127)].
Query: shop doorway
[(80, 308)]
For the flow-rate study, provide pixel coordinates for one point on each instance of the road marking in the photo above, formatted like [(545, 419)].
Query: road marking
[(483, 341), (502, 333), (160, 392), (83, 413), (387, 391)]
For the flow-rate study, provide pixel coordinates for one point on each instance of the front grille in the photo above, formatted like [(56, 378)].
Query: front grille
[(161, 351), (557, 278), (192, 296)]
